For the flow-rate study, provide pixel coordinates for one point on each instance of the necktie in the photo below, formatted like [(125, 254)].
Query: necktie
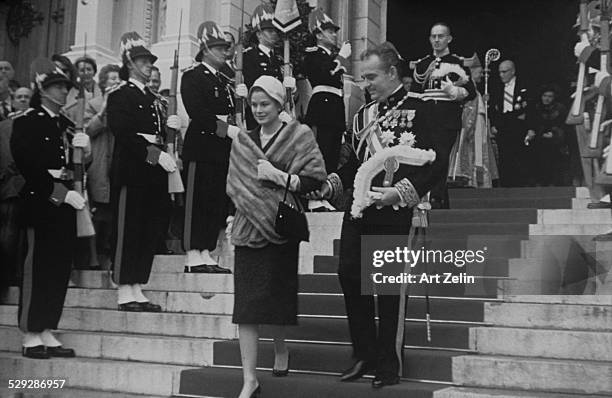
[(508, 98)]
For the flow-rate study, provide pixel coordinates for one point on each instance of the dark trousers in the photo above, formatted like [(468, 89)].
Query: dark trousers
[(513, 153), (12, 242), (46, 271), (206, 205), (139, 222), (329, 139), (326, 117), (377, 345)]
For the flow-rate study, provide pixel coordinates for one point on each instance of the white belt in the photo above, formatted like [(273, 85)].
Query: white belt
[(327, 89), (61, 174), (150, 138), (222, 117)]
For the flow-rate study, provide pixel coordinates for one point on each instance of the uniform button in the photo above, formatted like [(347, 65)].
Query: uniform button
[(46, 138), (140, 106), (154, 122), (152, 114), (63, 158)]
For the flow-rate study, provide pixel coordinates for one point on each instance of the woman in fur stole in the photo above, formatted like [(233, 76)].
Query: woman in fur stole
[(266, 264)]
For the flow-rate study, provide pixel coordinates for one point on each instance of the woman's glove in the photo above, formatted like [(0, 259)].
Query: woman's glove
[(267, 172)]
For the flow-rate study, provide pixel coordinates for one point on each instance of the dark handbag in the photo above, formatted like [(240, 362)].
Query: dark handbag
[(291, 222)]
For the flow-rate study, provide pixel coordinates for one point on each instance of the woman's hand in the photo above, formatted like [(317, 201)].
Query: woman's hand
[(322, 193)]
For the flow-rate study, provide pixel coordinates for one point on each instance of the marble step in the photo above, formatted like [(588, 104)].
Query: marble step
[(522, 192), (550, 316), (533, 374), (160, 324), (574, 216), (466, 392), (186, 351), (70, 393), (95, 374), (561, 299), (559, 344), (569, 229)]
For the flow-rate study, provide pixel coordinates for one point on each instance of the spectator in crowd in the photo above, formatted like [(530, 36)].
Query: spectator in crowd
[(229, 69), (266, 264), (6, 69), (21, 99), (546, 121), (6, 106), (86, 69), (155, 82), (407, 82), (11, 182), (102, 142)]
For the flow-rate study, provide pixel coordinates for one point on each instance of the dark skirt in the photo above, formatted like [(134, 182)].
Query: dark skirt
[(266, 284)]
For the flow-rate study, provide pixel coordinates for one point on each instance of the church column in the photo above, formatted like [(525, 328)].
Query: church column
[(92, 20)]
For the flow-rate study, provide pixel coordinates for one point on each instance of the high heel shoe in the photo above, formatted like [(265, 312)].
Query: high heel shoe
[(283, 372)]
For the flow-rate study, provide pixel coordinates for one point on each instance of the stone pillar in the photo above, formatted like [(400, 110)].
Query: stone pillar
[(366, 28), (93, 20)]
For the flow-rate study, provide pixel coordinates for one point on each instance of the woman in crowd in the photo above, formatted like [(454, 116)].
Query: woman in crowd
[(547, 135), (102, 142), (266, 264)]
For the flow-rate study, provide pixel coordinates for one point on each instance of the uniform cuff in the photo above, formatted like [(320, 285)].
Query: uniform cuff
[(153, 154), (335, 183), (221, 129), (59, 194), (408, 194)]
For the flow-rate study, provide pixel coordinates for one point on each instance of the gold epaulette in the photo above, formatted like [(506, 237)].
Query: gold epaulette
[(190, 67), (311, 49), (247, 49), (15, 115), (116, 87), (413, 64)]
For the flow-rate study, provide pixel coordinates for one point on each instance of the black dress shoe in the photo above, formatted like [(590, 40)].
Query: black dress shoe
[(150, 307), (198, 269), (600, 205), (355, 372), (284, 372), (36, 352), (215, 269), (381, 381), (132, 306), (61, 352)]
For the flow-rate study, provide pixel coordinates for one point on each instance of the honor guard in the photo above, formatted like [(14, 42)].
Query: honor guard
[(208, 102), (139, 175), (394, 121), (42, 144), (435, 76), (324, 67), (260, 59)]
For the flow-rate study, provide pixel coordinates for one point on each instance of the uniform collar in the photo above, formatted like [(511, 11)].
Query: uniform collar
[(266, 50), (138, 84), (511, 83), (49, 112), (446, 52), (210, 68), (327, 51), (394, 98)]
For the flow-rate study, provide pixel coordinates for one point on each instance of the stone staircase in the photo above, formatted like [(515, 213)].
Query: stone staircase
[(190, 349)]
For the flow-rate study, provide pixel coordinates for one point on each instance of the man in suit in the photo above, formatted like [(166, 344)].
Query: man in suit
[(509, 104), (210, 106), (139, 174), (444, 96)]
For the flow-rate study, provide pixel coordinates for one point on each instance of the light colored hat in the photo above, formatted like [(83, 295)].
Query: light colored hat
[(271, 86)]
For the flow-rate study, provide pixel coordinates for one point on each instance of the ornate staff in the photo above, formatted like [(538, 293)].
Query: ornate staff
[(492, 55)]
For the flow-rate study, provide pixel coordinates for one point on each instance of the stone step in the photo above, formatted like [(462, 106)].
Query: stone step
[(574, 216), (549, 375), (466, 392), (580, 203), (95, 374), (550, 316), (419, 364), (561, 299), (523, 192), (559, 344), (569, 229), (161, 324), (227, 382), (186, 351), (552, 202), (70, 393), (527, 216)]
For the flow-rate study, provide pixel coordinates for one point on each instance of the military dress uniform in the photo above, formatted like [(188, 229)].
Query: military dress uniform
[(444, 114), (40, 147), (139, 185), (405, 118)]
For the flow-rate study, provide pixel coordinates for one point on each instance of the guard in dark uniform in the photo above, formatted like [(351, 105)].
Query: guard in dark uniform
[(324, 68), (395, 118), (261, 59), (41, 147), (443, 100), (139, 175), (209, 104)]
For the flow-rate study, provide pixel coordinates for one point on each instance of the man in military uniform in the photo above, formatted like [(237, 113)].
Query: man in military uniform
[(139, 174), (261, 60), (41, 148), (444, 95), (324, 69), (395, 118), (208, 102)]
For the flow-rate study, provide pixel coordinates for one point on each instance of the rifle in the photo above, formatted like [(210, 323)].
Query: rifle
[(286, 18), (175, 183), (240, 103)]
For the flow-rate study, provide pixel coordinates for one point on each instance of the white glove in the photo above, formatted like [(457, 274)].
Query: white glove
[(232, 131), (166, 162), (599, 76), (174, 122), (606, 151), (242, 90), (345, 50), (289, 82), (579, 47), (74, 199), (285, 117), (267, 172), (81, 140)]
